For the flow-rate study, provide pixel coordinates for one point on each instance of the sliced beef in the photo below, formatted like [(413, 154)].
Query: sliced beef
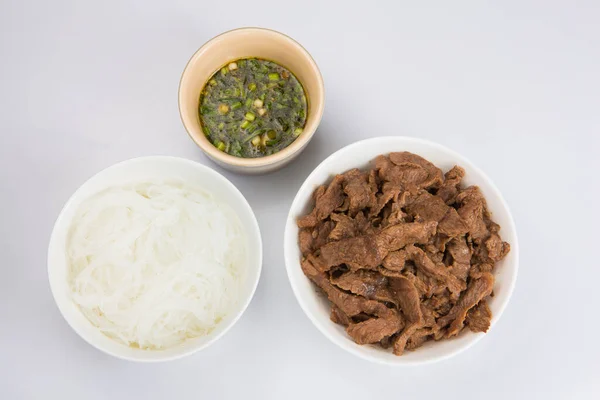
[(407, 298), (345, 227), (325, 203), (389, 192), (496, 248), (369, 284), (398, 236), (479, 317), (359, 191), (477, 290), (321, 234), (339, 317), (405, 161), (305, 240), (431, 269), (449, 189), (459, 254), (374, 330), (357, 252), (403, 253), (472, 208), (395, 260), (350, 304)]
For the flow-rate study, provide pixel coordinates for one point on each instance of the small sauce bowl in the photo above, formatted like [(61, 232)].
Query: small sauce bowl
[(246, 43)]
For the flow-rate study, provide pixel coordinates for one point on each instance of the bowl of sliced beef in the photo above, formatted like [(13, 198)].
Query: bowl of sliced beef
[(401, 251)]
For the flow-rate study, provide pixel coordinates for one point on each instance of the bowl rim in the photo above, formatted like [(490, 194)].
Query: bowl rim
[(62, 306), (296, 146), (351, 347)]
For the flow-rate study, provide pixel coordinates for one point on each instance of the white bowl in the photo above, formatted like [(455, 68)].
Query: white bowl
[(358, 155), (158, 167)]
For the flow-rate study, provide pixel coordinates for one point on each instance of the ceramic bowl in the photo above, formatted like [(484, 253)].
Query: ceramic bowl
[(245, 43), (360, 155)]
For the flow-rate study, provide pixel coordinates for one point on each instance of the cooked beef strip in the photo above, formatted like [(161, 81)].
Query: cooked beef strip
[(496, 248), (325, 204), (479, 317), (472, 208), (476, 291), (369, 284), (338, 316), (345, 227), (438, 271), (306, 240), (350, 304), (321, 234), (460, 254), (374, 330), (450, 187), (395, 260), (368, 251), (359, 191), (397, 236), (408, 298), (409, 161)]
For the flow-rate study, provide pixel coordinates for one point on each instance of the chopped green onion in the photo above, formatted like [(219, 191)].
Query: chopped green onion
[(297, 132), (249, 116), (224, 70), (245, 124), (221, 146), (271, 134), (273, 76), (252, 86), (236, 105)]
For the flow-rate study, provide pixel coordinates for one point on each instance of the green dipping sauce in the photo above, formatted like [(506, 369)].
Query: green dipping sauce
[(252, 108)]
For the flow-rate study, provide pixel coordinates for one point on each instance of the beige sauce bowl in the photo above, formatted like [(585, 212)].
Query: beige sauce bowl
[(245, 43)]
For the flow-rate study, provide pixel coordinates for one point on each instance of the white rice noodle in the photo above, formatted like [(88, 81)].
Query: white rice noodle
[(155, 263)]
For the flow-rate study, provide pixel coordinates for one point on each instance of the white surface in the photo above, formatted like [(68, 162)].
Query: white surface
[(512, 85), (151, 169), (360, 155)]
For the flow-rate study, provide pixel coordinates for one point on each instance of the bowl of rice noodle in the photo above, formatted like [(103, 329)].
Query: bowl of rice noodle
[(154, 258)]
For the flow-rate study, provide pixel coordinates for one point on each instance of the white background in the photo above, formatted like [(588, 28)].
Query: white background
[(512, 85)]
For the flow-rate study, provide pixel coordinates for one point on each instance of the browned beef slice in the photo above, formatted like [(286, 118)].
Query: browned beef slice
[(449, 189), (368, 251), (396, 237), (407, 298), (338, 316), (389, 192), (428, 207), (407, 174), (321, 234), (395, 260), (437, 271), (374, 330), (496, 248), (345, 227), (405, 159), (305, 239), (359, 191), (472, 209), (452, 224), (440, 304), (460, 255), (476, 291), (369, 284), (360, 251), (350, 304), (479, 317), (418, 338), (332, 198)]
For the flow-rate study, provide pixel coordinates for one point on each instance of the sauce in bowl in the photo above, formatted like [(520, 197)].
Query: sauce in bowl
[(252, 108)]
